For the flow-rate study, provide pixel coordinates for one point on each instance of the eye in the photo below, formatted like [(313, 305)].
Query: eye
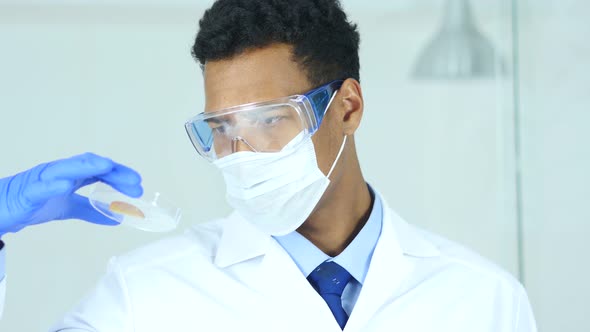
[(272, 120), (218, 128)]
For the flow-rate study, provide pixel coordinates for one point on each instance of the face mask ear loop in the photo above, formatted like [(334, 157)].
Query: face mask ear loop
[(343, 142), (328, 106), (330, 102), (337, 157)]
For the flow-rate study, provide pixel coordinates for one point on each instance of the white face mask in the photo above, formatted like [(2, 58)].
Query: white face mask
[(277, 191)]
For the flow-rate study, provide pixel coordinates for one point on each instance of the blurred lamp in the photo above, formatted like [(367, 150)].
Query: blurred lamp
[(458, 50)]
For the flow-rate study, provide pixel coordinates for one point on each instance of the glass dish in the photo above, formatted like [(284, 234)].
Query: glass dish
[(148, 213)]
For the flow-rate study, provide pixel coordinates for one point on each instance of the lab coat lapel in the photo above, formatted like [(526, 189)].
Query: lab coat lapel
[(390, 268), (240, 241), (275, 276), (387, 272), (288, 294), (285, 285)]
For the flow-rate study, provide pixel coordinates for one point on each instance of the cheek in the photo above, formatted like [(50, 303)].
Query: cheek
[(323, 141), (319, 146)]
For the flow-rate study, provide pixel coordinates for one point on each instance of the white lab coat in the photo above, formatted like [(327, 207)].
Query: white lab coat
[(226, 276), (2, 295)]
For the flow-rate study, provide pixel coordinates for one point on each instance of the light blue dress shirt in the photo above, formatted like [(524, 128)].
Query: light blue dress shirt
[(355, 258)]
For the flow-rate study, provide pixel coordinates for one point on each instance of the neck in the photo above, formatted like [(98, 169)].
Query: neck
[(342, 212)]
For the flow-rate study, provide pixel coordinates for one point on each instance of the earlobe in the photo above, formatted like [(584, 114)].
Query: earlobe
[(352, 100)]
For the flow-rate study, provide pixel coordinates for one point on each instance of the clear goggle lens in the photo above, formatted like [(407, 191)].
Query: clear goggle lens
[(258, 129)]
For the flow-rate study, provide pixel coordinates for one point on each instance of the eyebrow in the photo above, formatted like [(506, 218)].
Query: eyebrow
[(215, 120)]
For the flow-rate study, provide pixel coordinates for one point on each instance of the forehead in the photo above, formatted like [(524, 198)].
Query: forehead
[(253, 76)]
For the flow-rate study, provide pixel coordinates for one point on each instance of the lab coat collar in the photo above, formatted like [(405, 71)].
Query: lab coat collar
[(241, 241), (388, 272), (390, 267), (410, 240)]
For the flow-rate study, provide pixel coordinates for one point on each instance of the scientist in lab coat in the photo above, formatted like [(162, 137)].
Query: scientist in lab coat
[(310, 246)]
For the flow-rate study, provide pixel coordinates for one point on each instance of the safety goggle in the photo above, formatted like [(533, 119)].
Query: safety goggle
[(260, 127)]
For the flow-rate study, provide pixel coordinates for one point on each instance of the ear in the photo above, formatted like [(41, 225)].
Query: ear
[(350, 104)]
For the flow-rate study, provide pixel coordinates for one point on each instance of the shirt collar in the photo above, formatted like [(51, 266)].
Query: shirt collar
[(355, 258)]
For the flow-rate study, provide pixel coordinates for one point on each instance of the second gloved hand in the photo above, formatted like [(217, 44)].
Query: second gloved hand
[(47, 191)]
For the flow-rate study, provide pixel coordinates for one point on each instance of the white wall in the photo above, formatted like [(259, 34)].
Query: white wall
[(119, 81), (555, 107)]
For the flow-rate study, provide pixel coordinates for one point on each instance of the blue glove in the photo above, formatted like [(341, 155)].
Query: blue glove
[(46, 192)]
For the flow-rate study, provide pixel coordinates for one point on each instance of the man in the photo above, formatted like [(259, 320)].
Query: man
[(310, 246)]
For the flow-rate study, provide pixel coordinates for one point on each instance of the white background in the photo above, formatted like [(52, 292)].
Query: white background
[(116, 78)]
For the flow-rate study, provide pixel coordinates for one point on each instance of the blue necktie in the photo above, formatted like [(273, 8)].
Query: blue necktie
[(329, 280)]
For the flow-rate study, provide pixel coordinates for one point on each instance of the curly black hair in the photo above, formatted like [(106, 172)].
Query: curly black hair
[(325, 44)]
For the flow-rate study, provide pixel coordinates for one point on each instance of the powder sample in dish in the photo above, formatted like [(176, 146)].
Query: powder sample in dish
[(126, 209)]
